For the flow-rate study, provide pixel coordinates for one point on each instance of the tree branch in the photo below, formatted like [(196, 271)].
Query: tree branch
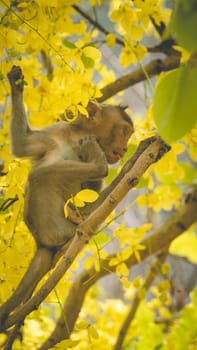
[(87, 228), (160, 28), (180, 221), (95, 23), (164, 46), (153, 68)]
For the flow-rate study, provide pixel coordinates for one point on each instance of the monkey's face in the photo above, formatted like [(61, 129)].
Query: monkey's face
[(115, 143), (110, 129)]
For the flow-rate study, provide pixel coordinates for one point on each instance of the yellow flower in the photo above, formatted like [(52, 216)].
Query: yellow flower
[(111, 40)]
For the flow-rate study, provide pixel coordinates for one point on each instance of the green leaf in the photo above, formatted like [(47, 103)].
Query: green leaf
[(142, 183), (68, 44), (190, 173), (87, 61), (184, 23), (100, 239), (185, 245), (112, 173), (175, 103)]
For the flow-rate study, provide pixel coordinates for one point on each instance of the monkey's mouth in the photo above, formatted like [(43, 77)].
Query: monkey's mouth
[(118, 155), (114, 157)]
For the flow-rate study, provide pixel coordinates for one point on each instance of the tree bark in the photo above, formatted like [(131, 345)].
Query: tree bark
[(153, 68)]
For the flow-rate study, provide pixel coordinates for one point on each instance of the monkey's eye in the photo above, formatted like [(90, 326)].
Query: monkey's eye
[(127, 132)]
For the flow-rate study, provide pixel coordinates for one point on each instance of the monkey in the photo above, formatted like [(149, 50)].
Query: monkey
[(66, 157)]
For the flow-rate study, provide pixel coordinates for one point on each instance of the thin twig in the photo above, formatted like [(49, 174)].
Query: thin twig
[(152, 274), (95, 23), (15, 333), (7, 203)]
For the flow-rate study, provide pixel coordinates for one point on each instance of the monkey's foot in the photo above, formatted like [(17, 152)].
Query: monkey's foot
[(86, 142), (16, 79), (90, 151), (74, 217)]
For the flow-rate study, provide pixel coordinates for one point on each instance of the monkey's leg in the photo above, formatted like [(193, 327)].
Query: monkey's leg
[(39, 266), (60, 252)]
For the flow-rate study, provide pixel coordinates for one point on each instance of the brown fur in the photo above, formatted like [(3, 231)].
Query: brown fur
[(65, 158)]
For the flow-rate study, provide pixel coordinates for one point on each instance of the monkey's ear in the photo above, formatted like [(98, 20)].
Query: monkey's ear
[(92, 108)]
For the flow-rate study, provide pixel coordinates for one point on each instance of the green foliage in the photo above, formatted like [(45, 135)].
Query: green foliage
[(150, 336), (184, 331), (184, 23), (175, 104), (185, 245), (100, 239)]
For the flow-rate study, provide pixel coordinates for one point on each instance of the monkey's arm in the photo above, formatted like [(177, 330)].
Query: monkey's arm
[(19, 127), (25, 141)]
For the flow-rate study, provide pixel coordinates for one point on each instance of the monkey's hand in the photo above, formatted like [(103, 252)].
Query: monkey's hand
[(16, 79), (90, 151)]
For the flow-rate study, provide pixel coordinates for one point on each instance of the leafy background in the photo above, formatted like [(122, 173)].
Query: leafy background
[(71, 52)]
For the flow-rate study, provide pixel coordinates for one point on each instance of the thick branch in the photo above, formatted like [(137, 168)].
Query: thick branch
[(158, 241), (85, 230), (153, 68)]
